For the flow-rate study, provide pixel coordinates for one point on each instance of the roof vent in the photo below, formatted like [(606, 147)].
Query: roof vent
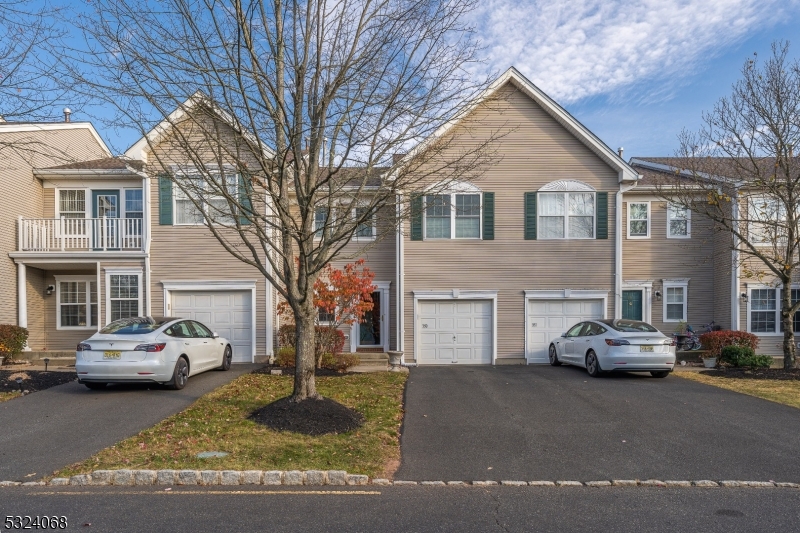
[(620, 150), (67, 113)]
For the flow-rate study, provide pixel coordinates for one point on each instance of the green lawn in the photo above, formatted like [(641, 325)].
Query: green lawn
[(785, 392), (218, 422)]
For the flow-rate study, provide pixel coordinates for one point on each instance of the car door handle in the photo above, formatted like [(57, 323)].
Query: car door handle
[(186, 343), (205, 342)]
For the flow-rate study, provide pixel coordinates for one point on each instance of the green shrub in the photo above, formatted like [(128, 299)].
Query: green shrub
[(715, 341), (339, 362), (757, 361), (12, 340), (285, 356), (735, 355)]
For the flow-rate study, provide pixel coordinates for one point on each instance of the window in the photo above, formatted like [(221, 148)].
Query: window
[(675, 300), (123, 295), (76, 301), (201, 330), (213, 204), (72, 204), (181, 330), (442, 221), (765, 310), (639, 220), (764, 215), (134, 207), (320, 220), (566, 215), (575, 331), (326, 317), (365, 230), (678, 222)]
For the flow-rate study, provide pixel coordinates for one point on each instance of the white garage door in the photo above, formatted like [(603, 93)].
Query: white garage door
[(228, 313), (455, 331), (548, 319)]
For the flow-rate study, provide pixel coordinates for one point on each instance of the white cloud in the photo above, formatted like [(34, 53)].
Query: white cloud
[(575, 49)]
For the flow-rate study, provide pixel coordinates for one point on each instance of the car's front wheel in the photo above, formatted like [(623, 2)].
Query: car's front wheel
[(94, 385), (553, 356), (660, 374), (180, 375), (593, 365), (227, 359)]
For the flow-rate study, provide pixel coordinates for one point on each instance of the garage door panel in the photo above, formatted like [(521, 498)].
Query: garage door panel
[(200, 316), (542, 328), (202, 300), (464, 338), (462, 332)]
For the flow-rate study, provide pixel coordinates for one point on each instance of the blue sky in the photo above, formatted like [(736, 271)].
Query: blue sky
[(635, 72)]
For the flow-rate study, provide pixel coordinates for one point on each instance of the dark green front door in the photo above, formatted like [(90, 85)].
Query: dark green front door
[(632, 305)]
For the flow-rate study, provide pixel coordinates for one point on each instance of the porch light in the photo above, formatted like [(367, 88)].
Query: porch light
[(50, 289), (743, 297), (658, 296)]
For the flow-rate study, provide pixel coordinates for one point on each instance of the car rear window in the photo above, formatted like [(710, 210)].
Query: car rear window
[(134, 326), (631, 326)]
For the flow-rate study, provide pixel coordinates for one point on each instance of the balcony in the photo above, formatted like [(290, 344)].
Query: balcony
[(80, 234)]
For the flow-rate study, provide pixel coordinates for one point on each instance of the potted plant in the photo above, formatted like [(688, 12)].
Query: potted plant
[(681, 334), (395, 359)]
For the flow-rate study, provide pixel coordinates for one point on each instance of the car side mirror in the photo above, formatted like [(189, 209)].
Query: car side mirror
[(564, 335), (215, 335)]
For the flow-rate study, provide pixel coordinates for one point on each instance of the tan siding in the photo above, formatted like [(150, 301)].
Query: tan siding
[(36, 307), (22, 192), (49, 203), (658, 258), (535, 151), (56, 339)]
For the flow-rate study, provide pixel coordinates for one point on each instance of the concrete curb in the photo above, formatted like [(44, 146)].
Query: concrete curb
[(341, 478)]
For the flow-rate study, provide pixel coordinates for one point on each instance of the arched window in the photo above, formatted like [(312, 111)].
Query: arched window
[(454, 213), (566, 210)]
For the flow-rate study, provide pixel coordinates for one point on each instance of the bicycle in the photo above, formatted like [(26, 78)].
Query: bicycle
[(692, 341)]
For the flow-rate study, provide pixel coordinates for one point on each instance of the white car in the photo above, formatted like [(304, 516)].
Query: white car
[(618, 345), (163, 350)]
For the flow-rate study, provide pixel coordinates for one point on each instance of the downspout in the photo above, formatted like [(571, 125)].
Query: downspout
[(147, 237), (735, 270), (618, 251), (400, 279)]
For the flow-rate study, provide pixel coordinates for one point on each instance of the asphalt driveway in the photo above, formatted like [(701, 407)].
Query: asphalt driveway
[(56, 427), (547, 423)]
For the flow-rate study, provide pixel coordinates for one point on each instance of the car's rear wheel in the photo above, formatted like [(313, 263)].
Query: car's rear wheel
[(593, 365), (94, 385), (180, 375), (660, 374), (553, 356), (227, 359)]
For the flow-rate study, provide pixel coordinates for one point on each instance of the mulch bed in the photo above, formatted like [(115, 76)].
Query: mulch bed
[(289, 371), (37, 379), (778, 374), (309, 417)]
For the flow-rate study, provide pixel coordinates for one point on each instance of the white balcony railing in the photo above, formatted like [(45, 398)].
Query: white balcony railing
[(75, 234)]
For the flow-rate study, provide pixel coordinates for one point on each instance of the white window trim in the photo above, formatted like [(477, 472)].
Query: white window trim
[(364, 238), (121, 271), (647, 296), (675, 283), (186, 173), (452, 194), (688, 224), (778, 295), (750, 234), (566, 215), (628, 223), (88, 279)]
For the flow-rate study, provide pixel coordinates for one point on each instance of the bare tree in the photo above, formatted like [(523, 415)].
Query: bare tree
[(740, 170), (306, 104)]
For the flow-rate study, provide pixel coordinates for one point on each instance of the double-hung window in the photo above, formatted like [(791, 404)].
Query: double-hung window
[(676, 296), (134, 205), (678, 222), (566, 215), (320, 221), (765, 310), (72, 207), (764, 215), (124, 295), (453, 216), (639, 220), (198, 198), (76, 302), (365, 229)]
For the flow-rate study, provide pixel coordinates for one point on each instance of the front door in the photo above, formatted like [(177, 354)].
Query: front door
[(371, 325), (105, 207), (632, 305)]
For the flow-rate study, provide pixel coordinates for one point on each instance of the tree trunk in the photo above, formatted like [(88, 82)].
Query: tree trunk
[(305, 362), (787, 319)]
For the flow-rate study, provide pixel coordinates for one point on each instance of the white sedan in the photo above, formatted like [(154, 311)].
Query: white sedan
[(145, 349), (623, 345)]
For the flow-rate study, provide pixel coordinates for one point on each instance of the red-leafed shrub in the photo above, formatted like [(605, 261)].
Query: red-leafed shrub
[(715, 341), (12, 340), (327, 340)]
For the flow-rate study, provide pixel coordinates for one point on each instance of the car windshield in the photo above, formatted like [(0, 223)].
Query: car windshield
[(630, 326), (135, 326)]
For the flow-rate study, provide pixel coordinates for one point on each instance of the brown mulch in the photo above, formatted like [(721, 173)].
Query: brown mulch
[(33, 380), (309, 417), (289, 371), (778, 374)]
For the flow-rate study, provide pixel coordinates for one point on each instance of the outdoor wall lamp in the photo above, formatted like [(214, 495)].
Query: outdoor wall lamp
[(50, 289), (658, 296), (743, 296)]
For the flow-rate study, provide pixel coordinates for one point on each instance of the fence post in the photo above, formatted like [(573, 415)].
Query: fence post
[(20, 237), (62, 234)]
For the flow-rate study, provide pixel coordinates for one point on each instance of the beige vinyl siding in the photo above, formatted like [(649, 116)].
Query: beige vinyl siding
[(657, 258), (49, 203), (535, 150), (192, 253), (22, 192), (37, 318), (65, 339)]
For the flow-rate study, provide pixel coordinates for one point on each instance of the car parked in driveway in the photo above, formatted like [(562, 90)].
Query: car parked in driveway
[(617, 345), (163, 350)]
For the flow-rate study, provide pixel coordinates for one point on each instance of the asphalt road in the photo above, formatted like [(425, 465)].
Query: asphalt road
[(390, 509), (557, 423), (53, 428)]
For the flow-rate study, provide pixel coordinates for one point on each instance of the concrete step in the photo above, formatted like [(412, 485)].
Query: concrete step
[(381, 357), (50, 354)]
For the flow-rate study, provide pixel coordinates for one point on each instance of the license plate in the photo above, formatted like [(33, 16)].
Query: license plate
[(645, 348), (112, 355)]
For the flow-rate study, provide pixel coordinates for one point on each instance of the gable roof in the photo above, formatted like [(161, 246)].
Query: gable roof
[(562, 116)]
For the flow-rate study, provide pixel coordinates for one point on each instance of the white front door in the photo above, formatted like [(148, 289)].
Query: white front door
[(226, 313), (454, 331), (548, 319)]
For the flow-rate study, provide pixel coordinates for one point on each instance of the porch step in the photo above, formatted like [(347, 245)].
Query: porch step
[(373, 357), (53, 355)]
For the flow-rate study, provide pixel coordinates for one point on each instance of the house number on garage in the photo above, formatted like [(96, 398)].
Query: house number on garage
[(533, 324), (424, 325)]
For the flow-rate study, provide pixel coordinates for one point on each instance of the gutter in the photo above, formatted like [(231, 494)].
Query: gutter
[(618, 250)]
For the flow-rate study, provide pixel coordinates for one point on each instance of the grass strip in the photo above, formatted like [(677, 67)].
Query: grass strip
[(5, 396), (218, 422), (786, 392)]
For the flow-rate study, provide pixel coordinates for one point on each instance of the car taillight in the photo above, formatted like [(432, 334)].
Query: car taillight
[(617, 342), (157, 347), (83, 347)]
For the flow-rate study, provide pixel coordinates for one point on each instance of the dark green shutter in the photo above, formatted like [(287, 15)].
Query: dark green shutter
[(530, 216), (416, 217), (602, 215), (245, 199), (488, 216), (164, 200)]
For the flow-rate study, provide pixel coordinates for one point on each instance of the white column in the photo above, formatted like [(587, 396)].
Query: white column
[(22, 295)]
